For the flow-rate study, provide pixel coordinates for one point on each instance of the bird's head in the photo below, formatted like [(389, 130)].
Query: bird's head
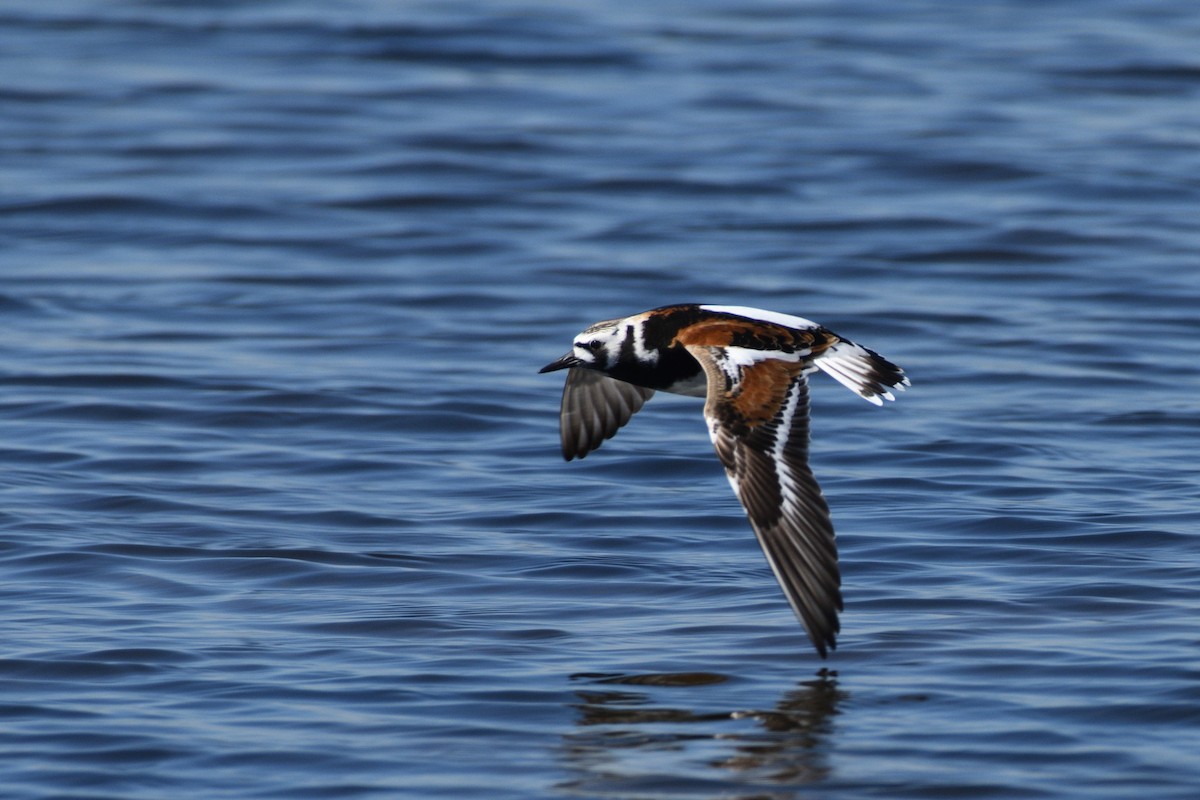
[(598, 348)]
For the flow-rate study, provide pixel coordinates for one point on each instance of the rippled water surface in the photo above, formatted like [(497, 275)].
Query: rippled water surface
[(283, 511)]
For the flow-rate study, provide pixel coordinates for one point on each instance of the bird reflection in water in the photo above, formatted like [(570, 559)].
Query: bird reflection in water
[(628, 739)]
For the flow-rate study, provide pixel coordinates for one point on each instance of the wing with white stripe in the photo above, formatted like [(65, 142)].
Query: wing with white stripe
[(757, 414)]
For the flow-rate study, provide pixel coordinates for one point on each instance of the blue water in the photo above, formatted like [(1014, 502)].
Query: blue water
[(283, 514)]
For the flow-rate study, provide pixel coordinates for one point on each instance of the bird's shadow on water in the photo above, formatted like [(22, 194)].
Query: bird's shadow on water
[(630, 740)]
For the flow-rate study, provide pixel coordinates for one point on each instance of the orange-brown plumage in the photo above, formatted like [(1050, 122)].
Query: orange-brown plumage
[(757, 395), (751, 334)]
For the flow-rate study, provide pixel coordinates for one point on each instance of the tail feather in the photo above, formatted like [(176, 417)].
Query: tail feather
[(862, 371)]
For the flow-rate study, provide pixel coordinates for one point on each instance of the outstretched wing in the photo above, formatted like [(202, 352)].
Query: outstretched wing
[(757, 412), (594, 408)]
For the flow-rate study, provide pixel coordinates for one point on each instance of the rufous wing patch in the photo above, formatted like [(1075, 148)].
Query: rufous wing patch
[(752, 334), (763, 387), (744, 395)]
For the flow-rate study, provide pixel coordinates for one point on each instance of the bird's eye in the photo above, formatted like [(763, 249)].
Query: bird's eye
[(594, 345)]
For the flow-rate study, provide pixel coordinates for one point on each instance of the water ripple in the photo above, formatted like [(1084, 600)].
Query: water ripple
[(284, 512)]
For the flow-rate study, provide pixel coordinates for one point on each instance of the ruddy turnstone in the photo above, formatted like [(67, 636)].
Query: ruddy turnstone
[(752, 366)]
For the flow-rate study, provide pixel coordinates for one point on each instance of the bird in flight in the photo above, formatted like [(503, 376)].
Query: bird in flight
[(752, 367)]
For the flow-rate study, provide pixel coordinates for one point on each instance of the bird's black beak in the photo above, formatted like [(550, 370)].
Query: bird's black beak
[(569, 360)]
